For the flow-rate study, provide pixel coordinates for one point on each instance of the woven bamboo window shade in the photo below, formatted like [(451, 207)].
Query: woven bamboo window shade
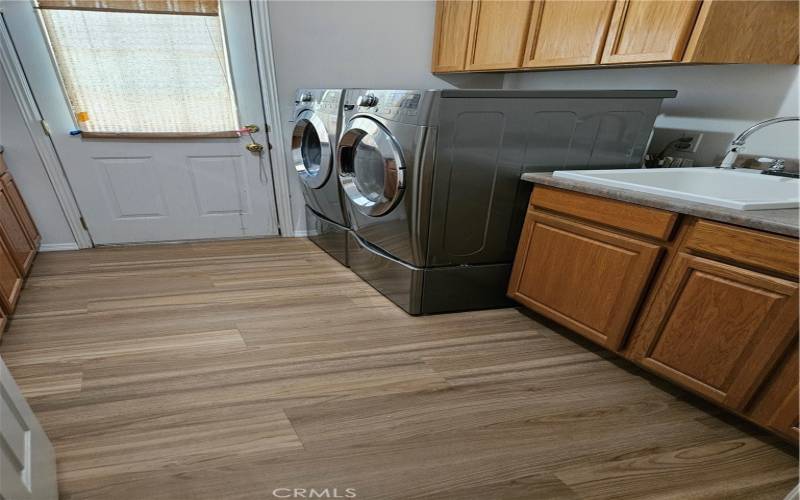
[(143, 68)]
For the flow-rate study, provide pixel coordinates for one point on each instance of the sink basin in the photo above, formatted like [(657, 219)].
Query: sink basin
[(740, 189)]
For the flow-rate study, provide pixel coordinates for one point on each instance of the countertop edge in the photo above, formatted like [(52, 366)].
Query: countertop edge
[(783, 221)]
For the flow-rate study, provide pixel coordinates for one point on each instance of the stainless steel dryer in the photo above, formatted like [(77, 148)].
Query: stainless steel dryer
[(432, 179), (317, 124)]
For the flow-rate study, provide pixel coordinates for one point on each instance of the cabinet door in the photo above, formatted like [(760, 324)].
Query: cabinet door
[(451, 35), (17, 242), (567, 33), (21, 209), (10, 280), (649, 30), (497, 34), (718, 329), (587, 279)]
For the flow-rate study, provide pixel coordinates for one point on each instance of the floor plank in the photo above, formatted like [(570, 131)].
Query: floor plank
[(228, 369)]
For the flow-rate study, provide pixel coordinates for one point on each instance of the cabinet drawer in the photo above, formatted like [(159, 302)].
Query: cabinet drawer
[(587, 279), (755, 248), (637, 219)]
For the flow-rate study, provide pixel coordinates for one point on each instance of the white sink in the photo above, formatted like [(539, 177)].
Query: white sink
[(741, 189)]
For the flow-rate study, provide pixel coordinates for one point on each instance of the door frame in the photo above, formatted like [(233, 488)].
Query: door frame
[(269, 100), (11, 65)]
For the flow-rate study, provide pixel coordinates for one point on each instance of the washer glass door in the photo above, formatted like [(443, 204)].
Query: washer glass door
[(371, 167), (311, 149)]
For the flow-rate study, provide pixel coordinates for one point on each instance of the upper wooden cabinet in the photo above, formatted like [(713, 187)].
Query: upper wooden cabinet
[(649, 30), (451, 35), (493, 35), (497, 34), (567, 33), (759, 31)]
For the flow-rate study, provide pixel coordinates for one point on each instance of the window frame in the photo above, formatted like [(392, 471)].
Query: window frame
[(223, 134)]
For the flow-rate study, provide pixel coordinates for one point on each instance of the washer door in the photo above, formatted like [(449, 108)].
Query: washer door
[(371, 167), (311, 149)]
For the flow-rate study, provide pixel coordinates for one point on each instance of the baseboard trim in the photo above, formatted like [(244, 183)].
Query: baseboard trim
[(300, 233), (57, 247)]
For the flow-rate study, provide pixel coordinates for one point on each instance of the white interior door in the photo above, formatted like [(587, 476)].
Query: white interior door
[(138, 190), (27, 459)]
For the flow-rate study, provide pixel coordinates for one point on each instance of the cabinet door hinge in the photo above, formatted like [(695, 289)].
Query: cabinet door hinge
[(83, 223), (45, 127)]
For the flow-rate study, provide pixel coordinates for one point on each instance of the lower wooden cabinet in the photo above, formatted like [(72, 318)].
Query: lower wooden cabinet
[(19, 242), (21, 209), (718, 329), (589, 279), (10, 280), (13, 233), (710, 306)]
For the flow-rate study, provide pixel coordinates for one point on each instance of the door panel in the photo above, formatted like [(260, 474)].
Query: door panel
[(587, 278), (490, 18), (451, 35), (27, 462), (139, 190), (649, 30), (567, 33), (719, 329), (131, 187), (218, 185)]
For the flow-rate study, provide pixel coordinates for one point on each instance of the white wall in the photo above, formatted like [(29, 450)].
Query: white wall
[(719, 101), (340, 44), (29, 174)]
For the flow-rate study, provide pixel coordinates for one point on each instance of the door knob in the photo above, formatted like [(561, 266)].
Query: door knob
[(255, 147)]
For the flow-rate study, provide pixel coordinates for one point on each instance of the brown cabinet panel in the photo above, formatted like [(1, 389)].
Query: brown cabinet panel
[(497, 34), (718, 329), (746, 246), (637, 219), (766, 32), (776, 404), (567, 32), (649, 30), (10, 280), (451, 35), (588, 279), (13, 233), (21, 209)]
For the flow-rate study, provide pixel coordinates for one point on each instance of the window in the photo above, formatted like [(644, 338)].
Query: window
[(137, 71)]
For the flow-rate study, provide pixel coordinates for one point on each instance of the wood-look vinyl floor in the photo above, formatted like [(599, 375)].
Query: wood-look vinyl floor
[(227, 370)]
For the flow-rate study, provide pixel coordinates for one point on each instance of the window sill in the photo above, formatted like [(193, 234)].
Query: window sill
[(160, 135)]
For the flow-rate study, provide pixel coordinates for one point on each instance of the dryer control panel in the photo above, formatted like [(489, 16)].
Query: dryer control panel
[(397, 105)]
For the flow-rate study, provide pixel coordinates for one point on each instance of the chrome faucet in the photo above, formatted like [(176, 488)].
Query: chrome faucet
[(737, 145)]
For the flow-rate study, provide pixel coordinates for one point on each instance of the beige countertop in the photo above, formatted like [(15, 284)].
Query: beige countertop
[(782, 221)]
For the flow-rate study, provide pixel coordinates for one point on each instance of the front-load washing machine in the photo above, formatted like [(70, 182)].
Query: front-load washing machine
[(432, 179), (317, 124)]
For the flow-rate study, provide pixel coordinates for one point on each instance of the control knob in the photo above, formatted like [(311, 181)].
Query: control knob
[(367, 101)]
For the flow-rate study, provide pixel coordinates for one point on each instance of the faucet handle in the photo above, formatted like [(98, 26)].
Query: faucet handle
[(774, 165)]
